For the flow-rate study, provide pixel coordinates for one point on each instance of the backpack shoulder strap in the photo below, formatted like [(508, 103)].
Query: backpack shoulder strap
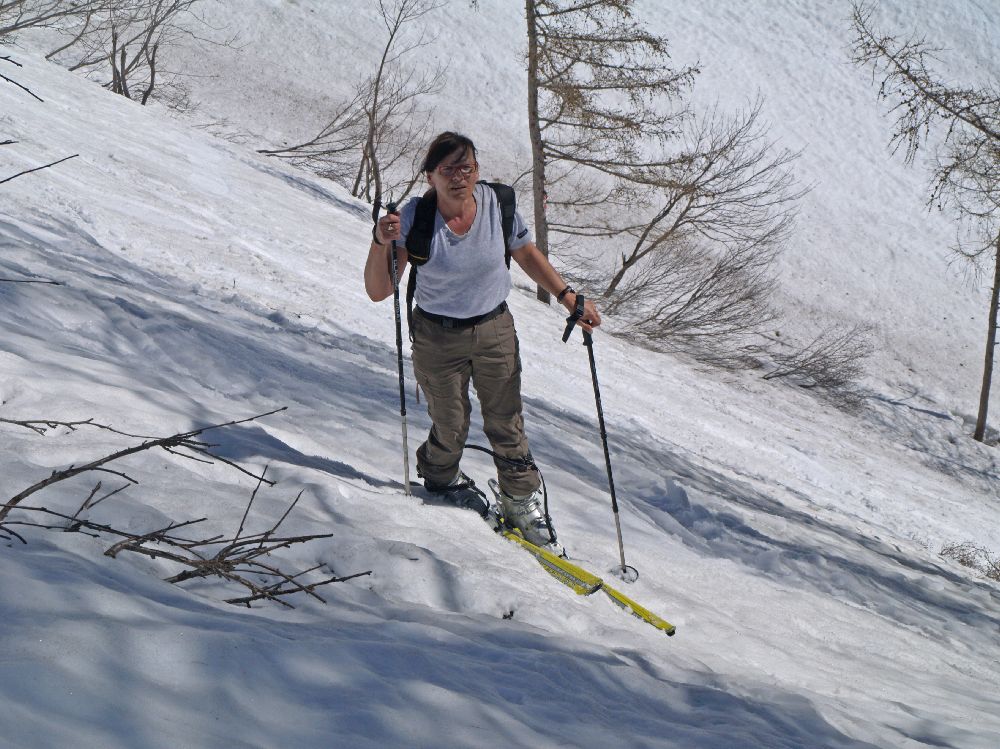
[(418, 246), (411, 288), (508, 204), (418, 239)]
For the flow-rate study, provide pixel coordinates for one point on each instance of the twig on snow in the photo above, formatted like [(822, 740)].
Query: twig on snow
[(37, 168)]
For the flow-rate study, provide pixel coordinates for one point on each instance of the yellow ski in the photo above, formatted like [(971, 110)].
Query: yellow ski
[(573, 576), (585, 583), (636, 610), (577, 578)]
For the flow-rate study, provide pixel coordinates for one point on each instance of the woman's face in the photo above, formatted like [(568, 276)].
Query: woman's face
[(455, 177)]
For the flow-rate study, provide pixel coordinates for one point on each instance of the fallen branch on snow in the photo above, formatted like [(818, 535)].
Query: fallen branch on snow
[(239, 560)]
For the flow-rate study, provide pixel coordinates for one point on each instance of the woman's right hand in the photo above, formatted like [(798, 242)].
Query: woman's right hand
[(388, 229), (378, 268)]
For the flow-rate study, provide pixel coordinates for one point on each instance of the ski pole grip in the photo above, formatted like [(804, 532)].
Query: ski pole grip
[(572, 319), (390, 207)]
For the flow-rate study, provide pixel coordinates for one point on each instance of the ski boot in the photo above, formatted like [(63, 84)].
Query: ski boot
[(525, 515), (462, 491)]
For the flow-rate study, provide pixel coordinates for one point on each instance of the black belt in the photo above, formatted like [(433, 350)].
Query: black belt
[(463, 322)]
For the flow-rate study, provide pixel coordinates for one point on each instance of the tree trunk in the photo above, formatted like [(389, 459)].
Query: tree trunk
[(369, 153), (537, 149), (991, 342)]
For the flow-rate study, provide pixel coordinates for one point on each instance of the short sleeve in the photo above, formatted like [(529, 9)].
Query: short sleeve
[(521, 233), (406, 216)]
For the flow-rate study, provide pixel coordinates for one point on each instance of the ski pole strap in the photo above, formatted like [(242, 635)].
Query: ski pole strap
[(576, 315), (376, 205)]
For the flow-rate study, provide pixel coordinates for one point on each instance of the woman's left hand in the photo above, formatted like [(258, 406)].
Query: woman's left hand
[(591, 317)]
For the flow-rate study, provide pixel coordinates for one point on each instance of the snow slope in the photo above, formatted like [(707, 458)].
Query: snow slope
[(795, 547), (865, 237)]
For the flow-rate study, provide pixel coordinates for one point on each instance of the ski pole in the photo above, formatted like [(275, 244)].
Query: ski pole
[(391, 208), (588, 341)]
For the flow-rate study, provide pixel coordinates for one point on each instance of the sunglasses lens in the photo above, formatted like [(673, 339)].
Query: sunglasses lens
[(452, 169)]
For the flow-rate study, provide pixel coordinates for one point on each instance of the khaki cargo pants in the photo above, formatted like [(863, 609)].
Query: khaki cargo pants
[(444, 361)]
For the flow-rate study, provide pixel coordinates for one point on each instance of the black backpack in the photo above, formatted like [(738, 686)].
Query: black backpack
[(418, 241)]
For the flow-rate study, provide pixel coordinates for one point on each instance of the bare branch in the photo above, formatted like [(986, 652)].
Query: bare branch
[(134, 541), (370, 142), (37, 168), (234, 562), (253, 496), (183, 440), (239, 560), (23, 88), (279, 592), (17, 15), (41, 426), (30, 280)]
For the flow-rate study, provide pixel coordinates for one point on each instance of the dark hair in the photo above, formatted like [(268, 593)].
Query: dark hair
[(444, 146)]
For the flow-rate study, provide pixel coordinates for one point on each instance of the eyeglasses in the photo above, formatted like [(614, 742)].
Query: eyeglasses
[(450, 170)]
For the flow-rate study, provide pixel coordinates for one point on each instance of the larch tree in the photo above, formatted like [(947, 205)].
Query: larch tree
[(599, 87), (673, 219), (962, 126)]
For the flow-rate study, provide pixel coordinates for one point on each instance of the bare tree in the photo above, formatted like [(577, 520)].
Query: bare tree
[(391, 91), (680, 217), (126, 38), (832, 362), (18, 15), (599, 91), (695, 270), (370, 142), (964, 125)]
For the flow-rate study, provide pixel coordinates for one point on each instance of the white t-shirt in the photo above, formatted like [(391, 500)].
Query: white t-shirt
[(466, 275)]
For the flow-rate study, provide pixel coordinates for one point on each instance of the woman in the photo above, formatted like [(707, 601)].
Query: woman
[(463, 330)]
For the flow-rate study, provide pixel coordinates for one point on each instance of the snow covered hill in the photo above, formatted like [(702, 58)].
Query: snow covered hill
[(794, 546), (865, 240)]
